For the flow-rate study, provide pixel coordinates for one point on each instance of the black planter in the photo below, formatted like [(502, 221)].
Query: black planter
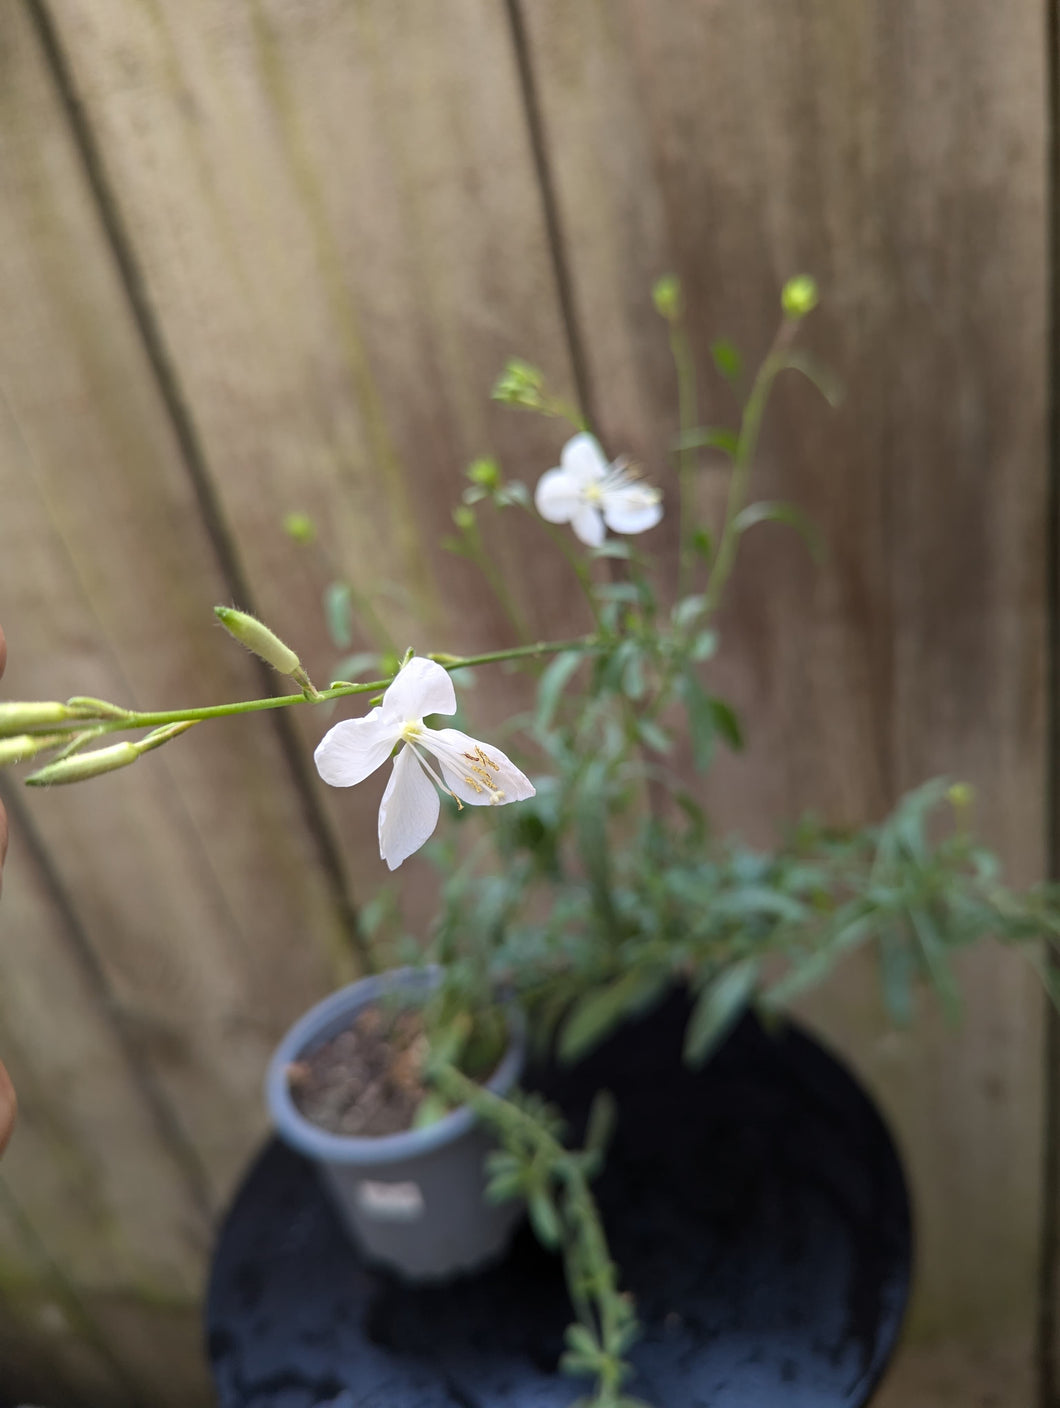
[(756, 1207)]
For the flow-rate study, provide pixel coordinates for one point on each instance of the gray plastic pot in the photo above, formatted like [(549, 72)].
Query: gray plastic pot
[(413, 1202)]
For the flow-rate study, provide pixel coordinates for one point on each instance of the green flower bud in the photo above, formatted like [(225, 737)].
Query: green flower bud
[(27, 745), (666, 296), (85, 765), (18, 717), (485, 472), (520, 384), (257, 637), (799, 296), (300, 527), (464, 518), (960, 795)]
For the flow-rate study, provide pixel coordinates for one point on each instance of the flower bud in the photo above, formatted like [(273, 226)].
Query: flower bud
[(799, 296), (18, 717), (485, 472), (85, 765), (520, 384), (464, 517), (300, 527), (666, 295), (960, 795), (257, 637), (28, 745)]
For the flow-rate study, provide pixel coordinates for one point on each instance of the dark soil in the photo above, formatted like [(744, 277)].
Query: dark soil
[(367, 1080)]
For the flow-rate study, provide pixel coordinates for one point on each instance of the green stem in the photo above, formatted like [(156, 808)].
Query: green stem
[(685, 366), (133, 719), (750, 427), (476, 552)]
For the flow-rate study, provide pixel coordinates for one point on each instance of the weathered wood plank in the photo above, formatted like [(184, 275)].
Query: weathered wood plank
[(343, 249), (194, 879), (740, 144)]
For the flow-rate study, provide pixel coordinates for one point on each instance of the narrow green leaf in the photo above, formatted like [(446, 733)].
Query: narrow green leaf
[(687, 610), (338, 613), (718, 1007), (827, 384), (783, 513), (553, 682), (603, 1116), (701, 726), (544, 1219), (613, 547), (710, 437), (653, 736), (601, 1010), (726, 722), (727, 359)]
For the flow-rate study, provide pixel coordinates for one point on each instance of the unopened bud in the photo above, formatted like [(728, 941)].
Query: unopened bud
[(666, 295), (257, 637), (163, 735), (799, 296), (520, 384), (300, 527), (464, 517), (85, 765), (28, 745), (960, 795), (18, 717), (486, 472)]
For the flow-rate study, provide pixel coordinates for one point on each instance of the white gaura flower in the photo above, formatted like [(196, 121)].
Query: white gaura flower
[(433, 760), (586, 491)]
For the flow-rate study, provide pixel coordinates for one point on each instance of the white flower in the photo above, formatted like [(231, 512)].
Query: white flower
[(433, 760), (587, 492)]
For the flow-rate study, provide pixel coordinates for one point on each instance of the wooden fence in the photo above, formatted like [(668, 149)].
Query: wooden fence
[(259, 256)]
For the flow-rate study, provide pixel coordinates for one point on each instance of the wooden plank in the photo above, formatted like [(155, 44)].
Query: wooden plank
[(194, 878), (737, 145), (342, 249)]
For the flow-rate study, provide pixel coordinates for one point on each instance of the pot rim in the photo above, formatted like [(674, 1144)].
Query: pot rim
[(328, 1017)]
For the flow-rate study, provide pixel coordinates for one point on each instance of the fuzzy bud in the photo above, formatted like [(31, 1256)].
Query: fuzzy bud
[(85, 765), (27, 745), (257, 637), (666, 295), (799, 296), (17, 717), (485, 472), (300, 527)]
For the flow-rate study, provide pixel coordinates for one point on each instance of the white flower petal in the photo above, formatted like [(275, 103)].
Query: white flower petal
[(408, 812), (477, 772), (583, 459), (588, 525), (351, 750), (421, 687), (557, 496), (632, 508)]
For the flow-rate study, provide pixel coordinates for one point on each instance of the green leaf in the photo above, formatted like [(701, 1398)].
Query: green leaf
[(782, 513), (726, 722), (514, 492), (703, 544), (544, 1219), (363, 663), (727, 359), (603, 1116), (718, 1007), (613, 547), (896, 970), (553, 682), (653, 736), (601, 1010), (338, 613), (827, 384), (711, 437), (687, 610), (701, 726), (432, 1108), (934, 950), (704, 646)]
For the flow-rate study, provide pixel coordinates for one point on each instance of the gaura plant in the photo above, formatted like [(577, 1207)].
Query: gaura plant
[(593, 883)]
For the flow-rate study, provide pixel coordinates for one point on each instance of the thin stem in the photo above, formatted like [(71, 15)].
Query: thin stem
[(747, 443), (476, 552), (133, 719), (688, 415)]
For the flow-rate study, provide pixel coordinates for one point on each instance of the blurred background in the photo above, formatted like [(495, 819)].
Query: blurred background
[(260, 257)]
